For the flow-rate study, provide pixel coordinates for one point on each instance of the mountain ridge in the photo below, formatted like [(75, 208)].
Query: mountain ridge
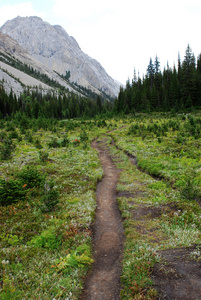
[(11, 51), (53, 47)]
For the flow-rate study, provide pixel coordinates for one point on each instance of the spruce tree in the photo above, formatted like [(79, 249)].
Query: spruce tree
[(189, 78), (151, 72)]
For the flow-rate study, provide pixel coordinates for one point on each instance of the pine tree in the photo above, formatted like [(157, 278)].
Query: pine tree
[(157, 65), (151, 72), (189, 78), (198, 102), (99, 104)]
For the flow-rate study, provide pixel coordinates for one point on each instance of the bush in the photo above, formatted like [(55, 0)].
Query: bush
[(38, 144), (11, 191), (189, 190), (43, 156), (54, 143), (83, 136), (47, 239), (101, 123), (10, 126), (6, 149), (76, 142), (50, 198), (29, 137), (180, 139), (65, 142), (31, 177), (2, 135), (19, 138), (13, 135), (24, 123)]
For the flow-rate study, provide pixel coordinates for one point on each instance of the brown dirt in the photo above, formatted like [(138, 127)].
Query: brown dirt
[(178, 277), (127, 194), (103, 282)]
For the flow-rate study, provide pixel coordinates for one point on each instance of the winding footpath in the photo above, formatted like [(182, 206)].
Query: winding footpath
[(103, 283)]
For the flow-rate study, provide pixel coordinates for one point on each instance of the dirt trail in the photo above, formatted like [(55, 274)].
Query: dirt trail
[(178, 277), (103, 283)]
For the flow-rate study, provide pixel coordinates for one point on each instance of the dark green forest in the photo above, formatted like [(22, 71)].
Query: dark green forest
[(177, 88), (34, 105)]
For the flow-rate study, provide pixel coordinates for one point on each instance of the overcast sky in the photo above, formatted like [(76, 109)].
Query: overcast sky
[(121, 35)]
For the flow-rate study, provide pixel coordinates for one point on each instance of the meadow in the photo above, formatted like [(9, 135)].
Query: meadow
[(48, 179)]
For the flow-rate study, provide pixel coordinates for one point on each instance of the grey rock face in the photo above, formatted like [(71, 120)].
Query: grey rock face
[(53, 47), (10, 47)]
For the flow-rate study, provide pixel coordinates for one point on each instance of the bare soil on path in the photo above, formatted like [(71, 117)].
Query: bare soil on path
[(179, 277), (176, 277), (103, 282)]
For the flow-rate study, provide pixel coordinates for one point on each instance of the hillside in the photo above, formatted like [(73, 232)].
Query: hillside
[(15, 63), (52, 47)]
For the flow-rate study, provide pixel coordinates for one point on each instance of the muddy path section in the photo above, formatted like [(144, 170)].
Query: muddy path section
[(103, 282)]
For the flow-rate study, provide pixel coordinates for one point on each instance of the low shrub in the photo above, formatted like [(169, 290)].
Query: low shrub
[(64, 142), (76, 142), (13, 135), (29, 137), (47, 239), (50, 198), (11, 191), (6, 149), (83, 136), (38, 144), (31, 177), (43, 156), (189, 190), (54, 143), (180, 139)]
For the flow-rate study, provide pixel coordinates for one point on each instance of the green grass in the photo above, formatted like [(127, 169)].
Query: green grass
[(160, 215), (45, 254)]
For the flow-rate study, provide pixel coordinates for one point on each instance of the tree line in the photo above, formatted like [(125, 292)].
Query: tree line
[(174, 88), (35, 104)]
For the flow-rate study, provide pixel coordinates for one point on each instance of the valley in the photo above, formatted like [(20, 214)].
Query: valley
[(100, 183), (50, 184)]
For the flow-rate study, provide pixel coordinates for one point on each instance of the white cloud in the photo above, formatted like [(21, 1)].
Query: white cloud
[(79, 9), (9, 12), (118, 33)]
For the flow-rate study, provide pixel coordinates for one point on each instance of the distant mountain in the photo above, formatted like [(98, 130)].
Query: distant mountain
[(52, 50), (16, 76)]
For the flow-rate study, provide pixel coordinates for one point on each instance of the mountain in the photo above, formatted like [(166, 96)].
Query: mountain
[(13, 59), (52, 47)]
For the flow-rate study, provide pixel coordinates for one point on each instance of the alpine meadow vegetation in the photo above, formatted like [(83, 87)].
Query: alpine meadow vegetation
[(49, 174)]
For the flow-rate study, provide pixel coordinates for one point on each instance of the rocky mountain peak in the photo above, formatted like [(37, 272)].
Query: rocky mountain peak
[(52, 46)]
